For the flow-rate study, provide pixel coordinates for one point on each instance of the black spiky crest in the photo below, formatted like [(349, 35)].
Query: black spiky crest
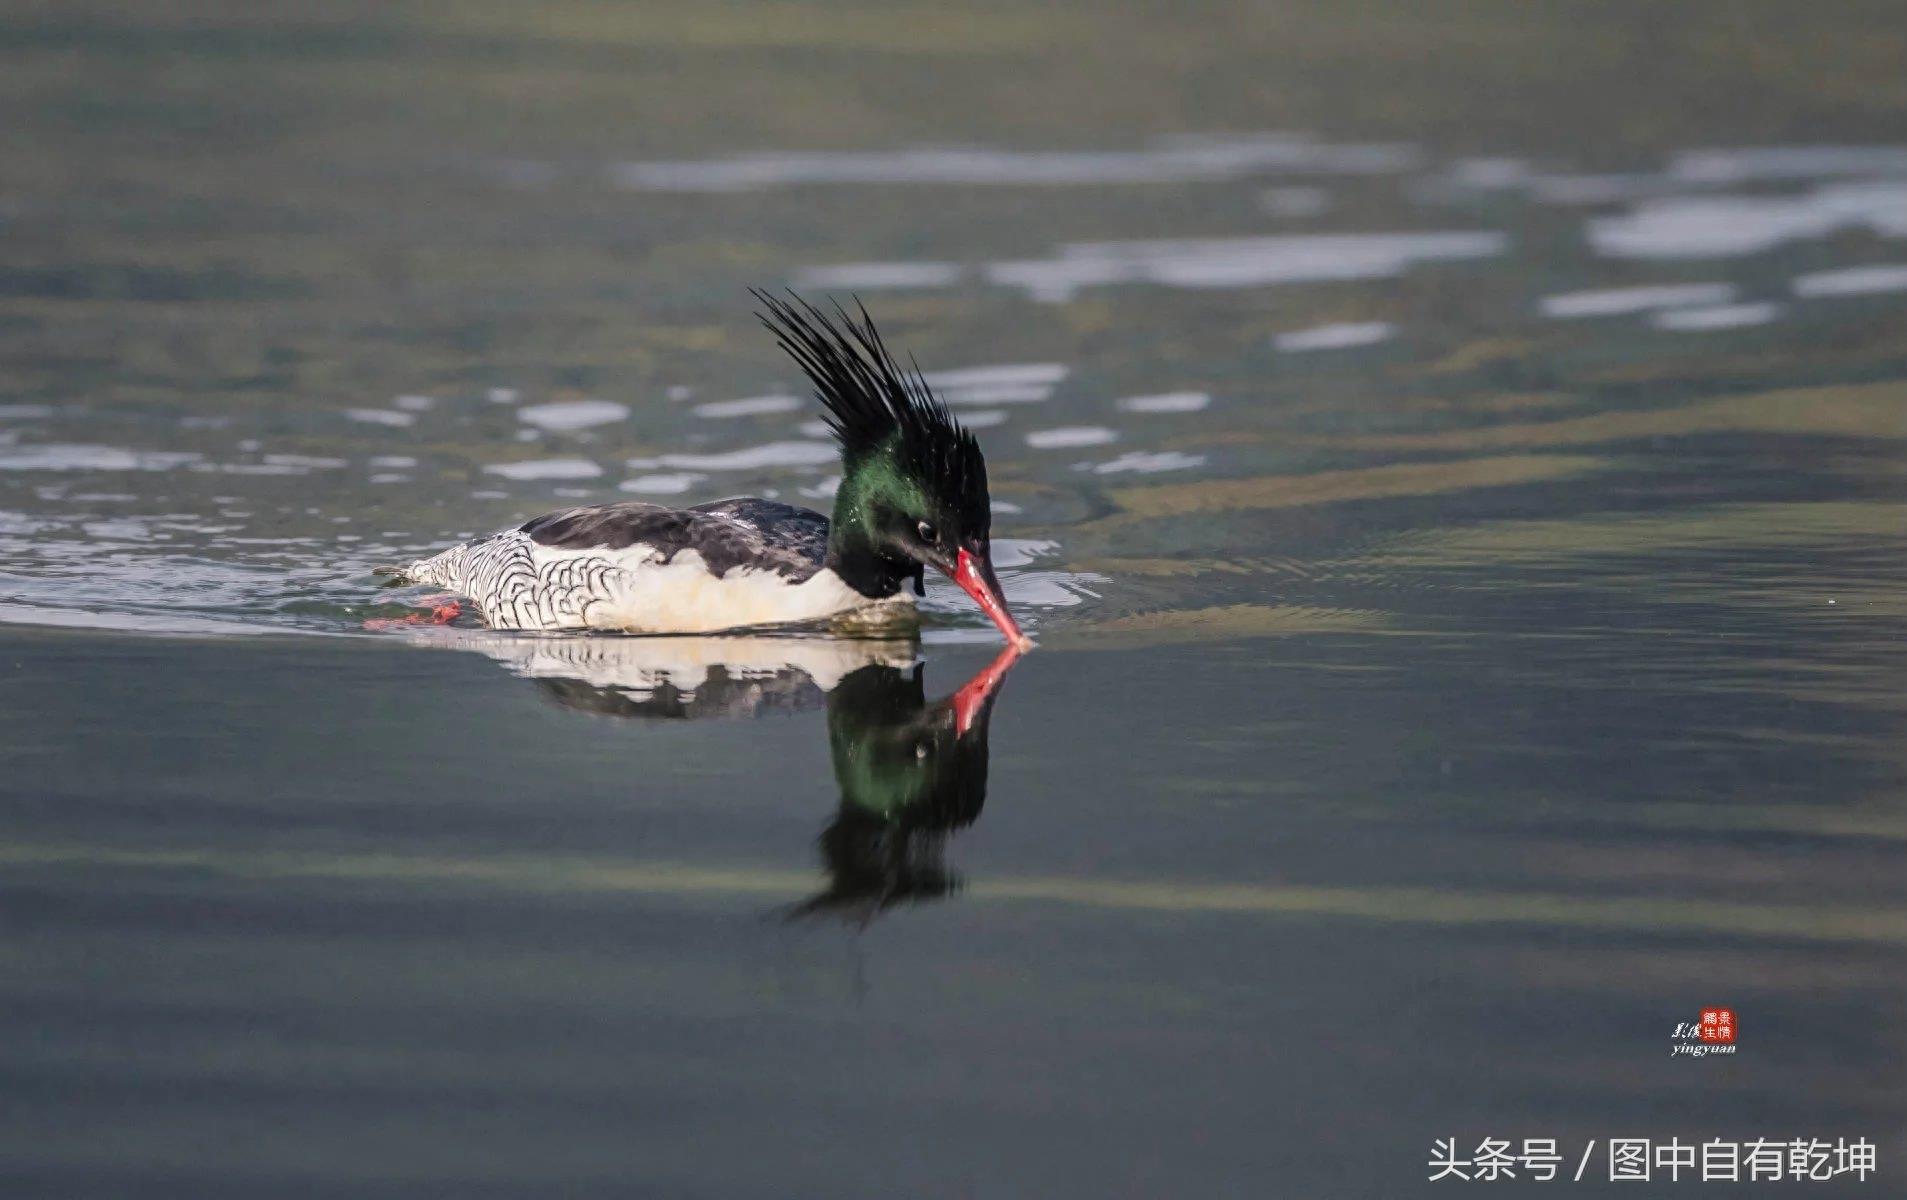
[(876, 406)]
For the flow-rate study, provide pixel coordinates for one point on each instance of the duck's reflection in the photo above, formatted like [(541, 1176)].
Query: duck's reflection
[(910, 772)]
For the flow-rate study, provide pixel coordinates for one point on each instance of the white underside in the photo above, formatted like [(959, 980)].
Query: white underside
[(683, 596)]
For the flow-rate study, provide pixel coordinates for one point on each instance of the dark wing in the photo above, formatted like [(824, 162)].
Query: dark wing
[(784, 528), (727, 534)]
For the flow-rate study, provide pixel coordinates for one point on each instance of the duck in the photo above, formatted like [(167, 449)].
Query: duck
[(913, 496)]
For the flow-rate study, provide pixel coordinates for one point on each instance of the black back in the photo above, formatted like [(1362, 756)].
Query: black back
[(742, 532)]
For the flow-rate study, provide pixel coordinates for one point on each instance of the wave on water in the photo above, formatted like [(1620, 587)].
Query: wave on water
[(179, 574), (228, 511), (1183, 159)]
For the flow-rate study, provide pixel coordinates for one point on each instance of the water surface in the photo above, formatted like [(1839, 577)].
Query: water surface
[(1451, 463)]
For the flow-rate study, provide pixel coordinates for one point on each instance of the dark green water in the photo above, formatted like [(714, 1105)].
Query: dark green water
[(1450, 455)]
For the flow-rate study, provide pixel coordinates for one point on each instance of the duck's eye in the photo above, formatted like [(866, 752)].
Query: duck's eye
[(927, 532)]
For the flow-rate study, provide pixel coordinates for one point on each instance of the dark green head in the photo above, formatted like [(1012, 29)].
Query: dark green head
[(913, 481)]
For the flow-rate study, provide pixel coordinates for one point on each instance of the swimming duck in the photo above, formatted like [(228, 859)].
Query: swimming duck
[(913, 495)]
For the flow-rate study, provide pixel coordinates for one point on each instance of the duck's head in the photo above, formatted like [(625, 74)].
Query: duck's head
[(913, 489)]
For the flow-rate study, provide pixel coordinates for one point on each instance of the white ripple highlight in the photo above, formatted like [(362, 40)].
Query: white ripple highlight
[(1003, 383), (1853, 281), (1165, 402), (1343, 335), (750, 406), (1773, 163), (1143, 463), (774, 454), (1068, 436), (662, 484), (1167, 160), (306, 462), (1614, 302), (1239, 262), (569, 415), (71, 457), (380, 416), (1721, 316), (1730, 226), (546, 468)]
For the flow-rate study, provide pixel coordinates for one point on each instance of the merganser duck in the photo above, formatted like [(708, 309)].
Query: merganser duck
[(913, 495)]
